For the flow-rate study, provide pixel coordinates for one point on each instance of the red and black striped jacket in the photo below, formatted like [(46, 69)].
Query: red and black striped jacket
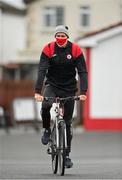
[(59, 66)]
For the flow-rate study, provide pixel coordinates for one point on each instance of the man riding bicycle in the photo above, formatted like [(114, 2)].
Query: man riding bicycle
[(59, 62)]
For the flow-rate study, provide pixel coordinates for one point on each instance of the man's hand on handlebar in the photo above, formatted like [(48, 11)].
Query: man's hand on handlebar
[(38, 97), (82, 97)]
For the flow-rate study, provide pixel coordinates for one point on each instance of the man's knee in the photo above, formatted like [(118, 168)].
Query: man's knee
[(45, 110), (46, 105)]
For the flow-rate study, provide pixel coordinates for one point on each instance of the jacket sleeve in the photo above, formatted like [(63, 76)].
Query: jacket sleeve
[(82, 72), (42, 69)]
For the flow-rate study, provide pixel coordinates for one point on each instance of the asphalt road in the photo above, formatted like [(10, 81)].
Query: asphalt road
[(95, 156)]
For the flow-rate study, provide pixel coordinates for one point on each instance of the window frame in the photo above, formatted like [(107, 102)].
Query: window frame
[(84, 10), (52, 12)]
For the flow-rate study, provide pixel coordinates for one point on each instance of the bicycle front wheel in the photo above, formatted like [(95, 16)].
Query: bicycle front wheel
[(54, 153), (62, 151)]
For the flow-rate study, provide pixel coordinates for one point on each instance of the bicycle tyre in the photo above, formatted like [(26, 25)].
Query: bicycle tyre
[(61, 153), (54, 153)]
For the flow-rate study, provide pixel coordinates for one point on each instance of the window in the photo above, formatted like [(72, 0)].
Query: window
[(53, 16), (20, 72), (84, 16)]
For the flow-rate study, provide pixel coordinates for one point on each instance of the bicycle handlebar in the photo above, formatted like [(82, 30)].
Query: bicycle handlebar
[(76, 98)]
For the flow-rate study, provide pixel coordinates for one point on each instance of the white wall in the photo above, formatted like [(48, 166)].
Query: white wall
[(106, 79), (13, 34)]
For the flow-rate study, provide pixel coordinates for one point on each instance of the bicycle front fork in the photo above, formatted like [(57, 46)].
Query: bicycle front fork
[(62, 124), (55, 141)]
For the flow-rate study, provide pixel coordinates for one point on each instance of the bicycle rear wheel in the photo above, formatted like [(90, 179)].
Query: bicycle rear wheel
[(54, 153), (62, 151)]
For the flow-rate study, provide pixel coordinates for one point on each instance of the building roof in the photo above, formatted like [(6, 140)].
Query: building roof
[(12, 8), (27, 1), (92, 38)]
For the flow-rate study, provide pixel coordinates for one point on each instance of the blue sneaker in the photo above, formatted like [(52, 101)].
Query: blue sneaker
[(68, 162), (46, 136)]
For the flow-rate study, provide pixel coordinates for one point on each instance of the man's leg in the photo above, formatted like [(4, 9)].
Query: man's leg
[(46, 106), (68, 112)]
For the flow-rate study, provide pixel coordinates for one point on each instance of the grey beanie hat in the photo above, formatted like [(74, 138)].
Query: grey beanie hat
[(63, 29)]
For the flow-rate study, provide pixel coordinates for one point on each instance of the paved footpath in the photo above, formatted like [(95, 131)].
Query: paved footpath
[(96, 155)]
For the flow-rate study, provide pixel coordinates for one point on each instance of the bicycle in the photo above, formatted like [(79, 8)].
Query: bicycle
[(58, 139)]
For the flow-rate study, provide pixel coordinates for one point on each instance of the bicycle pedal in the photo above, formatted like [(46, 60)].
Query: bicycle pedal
[(49, 150)]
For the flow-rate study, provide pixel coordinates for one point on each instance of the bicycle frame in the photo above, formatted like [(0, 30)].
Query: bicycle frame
[(59, 109), (58, 143)]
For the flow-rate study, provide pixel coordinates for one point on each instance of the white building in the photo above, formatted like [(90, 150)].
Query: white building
[(103, 110), (81, 16), (12, 32)]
